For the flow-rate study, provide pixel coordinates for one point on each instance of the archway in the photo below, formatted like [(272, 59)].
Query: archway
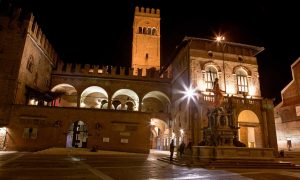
[(68, 95), (155, 101), (94, 97), (77, 135), (159, 136), (249, 132), (125, 99), (3, 132)]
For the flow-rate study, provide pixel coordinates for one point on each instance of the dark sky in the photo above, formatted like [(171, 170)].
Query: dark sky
[(100, 32)]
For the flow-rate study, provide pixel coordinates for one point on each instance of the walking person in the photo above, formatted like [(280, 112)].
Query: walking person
[(181, 149), (172, 147), (189, 150)]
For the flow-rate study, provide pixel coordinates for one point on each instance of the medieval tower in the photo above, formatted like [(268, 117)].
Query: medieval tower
[(146, 40)]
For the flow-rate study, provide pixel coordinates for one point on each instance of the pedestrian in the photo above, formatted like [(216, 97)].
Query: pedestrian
[(181, 149), (289, 144), (189, 150), (172, 147)]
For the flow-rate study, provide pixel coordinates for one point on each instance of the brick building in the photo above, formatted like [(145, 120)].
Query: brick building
[(48, 103), (287, 113)]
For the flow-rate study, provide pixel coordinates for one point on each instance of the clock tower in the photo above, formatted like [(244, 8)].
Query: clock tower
[(146, 40)]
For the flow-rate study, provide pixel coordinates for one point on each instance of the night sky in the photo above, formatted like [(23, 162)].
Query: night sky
[(100, 32)]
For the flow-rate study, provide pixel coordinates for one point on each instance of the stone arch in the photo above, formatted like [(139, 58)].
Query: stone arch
[(94, 97), (66, 95), (156, 101), (213, 64), (158, 136), (124, 96), (243, 68), (249, 132)]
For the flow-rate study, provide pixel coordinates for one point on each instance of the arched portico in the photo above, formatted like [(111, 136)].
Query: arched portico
[(159, 137), (249, 129)]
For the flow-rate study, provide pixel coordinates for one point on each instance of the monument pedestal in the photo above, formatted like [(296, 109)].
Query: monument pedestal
[(232, 153)]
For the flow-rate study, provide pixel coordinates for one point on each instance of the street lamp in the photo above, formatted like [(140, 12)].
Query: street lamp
[(221, 40)]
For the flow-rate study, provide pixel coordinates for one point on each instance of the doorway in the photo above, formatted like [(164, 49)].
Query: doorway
[(77, 135), (2, 137)]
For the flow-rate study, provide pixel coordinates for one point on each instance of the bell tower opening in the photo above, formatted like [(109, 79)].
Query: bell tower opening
[(146, 40)]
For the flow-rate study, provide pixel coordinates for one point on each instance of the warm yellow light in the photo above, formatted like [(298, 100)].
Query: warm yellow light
[(230, 89), (3, 129), (152, 123), (252, 91), (220, 38), (33, 102), (202, 86), (181, 131)]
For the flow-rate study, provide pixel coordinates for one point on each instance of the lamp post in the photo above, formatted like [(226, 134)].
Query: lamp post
[(221, 40)]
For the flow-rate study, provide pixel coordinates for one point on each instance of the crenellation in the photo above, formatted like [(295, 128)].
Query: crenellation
[(40, 38), (110, 71), (152, 11), (157, 11), (35, 29), (43, 40), (96, 68), (147, 11), (122, 71), (86, 68), (39, 35), (59, 67), (131, 70), (52, 52), (46, 44), (30, 23), (68, 68), (55, 58), (77, 68)]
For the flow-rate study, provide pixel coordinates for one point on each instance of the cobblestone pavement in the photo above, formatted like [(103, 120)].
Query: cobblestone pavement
[(71, 165)]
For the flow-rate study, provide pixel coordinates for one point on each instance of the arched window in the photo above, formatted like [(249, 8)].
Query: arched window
[(210, 76), (242, 81), (140, 30), (144, 30), (149, 31), (153, 31)]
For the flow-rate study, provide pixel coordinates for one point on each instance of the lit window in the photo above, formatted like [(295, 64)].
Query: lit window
[(210, 76), (149, 30), (242, 81), (153, 31), (144, 30)]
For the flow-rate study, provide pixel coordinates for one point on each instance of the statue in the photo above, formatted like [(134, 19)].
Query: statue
[(217, 94)]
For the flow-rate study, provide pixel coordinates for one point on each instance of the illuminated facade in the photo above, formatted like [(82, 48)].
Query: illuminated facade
[(48, 103), (196, 65), (287, 113)]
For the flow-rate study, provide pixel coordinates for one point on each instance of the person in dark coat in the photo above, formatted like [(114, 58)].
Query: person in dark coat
[(181, 149), (172, 147)]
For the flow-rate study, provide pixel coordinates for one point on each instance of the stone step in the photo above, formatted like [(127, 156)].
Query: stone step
[(229, 163)]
